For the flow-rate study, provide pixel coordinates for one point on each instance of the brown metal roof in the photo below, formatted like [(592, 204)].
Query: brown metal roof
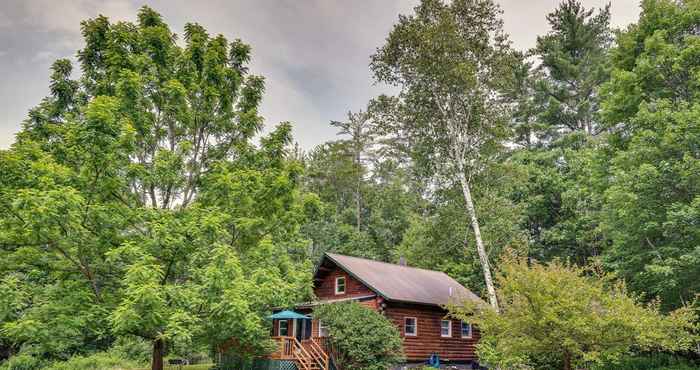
[(403, 283)]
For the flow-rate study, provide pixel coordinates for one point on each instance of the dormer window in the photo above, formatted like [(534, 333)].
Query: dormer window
[(340, 285)]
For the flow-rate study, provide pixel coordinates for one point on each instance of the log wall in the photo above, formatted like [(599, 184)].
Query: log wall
[(429, 340)]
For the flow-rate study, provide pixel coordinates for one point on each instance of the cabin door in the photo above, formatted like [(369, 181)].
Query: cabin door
[(303, 329)]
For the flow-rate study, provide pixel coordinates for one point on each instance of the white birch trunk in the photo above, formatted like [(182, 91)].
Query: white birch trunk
[(483, 257)]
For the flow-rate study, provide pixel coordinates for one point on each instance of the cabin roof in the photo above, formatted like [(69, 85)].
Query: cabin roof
[(402, 283)]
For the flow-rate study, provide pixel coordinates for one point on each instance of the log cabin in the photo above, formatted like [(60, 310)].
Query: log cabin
[(413, 299)]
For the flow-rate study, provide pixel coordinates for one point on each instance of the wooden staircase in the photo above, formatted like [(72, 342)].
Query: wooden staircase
[(307, 354)]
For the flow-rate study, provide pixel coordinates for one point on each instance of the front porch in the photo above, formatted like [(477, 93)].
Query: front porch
[(293, 334)]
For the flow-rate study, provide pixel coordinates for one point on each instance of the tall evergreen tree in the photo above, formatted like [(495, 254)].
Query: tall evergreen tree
[(573, 58), (560, 206), (358, 144)]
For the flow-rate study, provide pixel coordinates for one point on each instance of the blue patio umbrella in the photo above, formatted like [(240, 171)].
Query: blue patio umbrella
[(288, 315)]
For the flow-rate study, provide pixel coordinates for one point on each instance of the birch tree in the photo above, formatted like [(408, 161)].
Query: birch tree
[(450, 61)]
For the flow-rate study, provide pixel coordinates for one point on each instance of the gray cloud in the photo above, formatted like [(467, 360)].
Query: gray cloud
[(314, 54)]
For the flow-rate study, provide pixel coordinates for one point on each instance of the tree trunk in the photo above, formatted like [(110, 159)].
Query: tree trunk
[(567, 360), (359, 208), (358, 195), (158, 349), (483, 257)]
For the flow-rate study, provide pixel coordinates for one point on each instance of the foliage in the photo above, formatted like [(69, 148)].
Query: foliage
[(571, 316), (439, 239), (387, 202), (574, 62), (451, 62), (650, 362), (141, 217), (135, 202), (22, 361), (364, 339), (559, 199), (100, 360), (650, 162)]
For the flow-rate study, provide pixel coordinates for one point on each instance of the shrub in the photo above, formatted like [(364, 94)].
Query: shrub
[(97, 361), (22, 361), (650, 362), (571, 317), (363, 339), (132, 348)]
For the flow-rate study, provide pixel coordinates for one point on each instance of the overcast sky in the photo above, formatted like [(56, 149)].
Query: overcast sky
[(314, 54)]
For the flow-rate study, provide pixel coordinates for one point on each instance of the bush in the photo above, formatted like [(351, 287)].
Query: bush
[(133, 349), (650, 362), (22, 361), (364, 339), (569, 317), (97, 361)]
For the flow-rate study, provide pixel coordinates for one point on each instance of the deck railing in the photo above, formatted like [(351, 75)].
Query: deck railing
[(285, 348), (308, 354)]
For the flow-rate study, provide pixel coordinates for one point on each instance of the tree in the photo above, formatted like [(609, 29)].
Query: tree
[(574, 58), (359, 129), (570, 317), (650, 161), (366, 193), (560, 200), (450, 62), (134, 202), (363, 339), (438, 237)]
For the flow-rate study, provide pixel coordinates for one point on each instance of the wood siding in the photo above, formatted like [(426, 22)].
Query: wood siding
[(325, 286), (429, 340), (416, 349)]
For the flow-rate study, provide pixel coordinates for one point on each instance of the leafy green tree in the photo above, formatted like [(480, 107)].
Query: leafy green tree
[(438, 238), (650, 173), (134, 202), (450, 62), (570, 317), (363, 339)]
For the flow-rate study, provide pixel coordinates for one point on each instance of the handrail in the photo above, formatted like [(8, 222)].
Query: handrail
[(305, 353), (322, 354), (306, 356)]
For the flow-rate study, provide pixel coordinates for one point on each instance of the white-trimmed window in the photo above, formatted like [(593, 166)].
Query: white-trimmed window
[(466, 329), (410, 326), (445, 328), (340, 285), (283, 328), (322, 329)]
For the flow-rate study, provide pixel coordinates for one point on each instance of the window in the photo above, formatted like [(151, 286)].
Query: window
[(446, 328), (466, 330), (340, 285), (283, 328), (410, 326), (322, 329)]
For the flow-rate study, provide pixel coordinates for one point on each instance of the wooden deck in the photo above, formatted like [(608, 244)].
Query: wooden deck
[(309, 354)]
